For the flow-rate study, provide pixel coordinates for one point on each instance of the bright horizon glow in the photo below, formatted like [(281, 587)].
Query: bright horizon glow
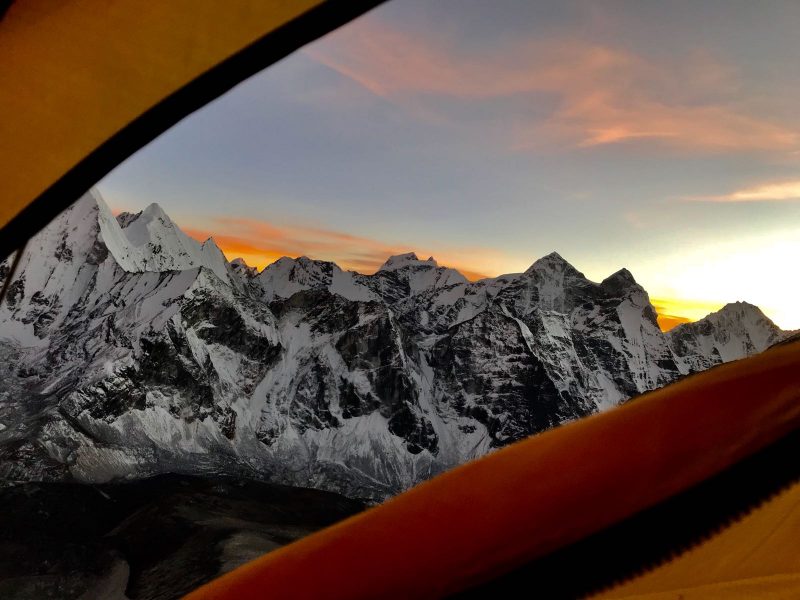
[(618, 133), (716, 273)]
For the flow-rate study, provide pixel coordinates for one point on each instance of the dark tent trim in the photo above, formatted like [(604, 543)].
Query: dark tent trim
[(271, 48), (652, 537)]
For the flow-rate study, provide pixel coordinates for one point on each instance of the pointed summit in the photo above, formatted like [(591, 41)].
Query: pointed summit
[(157, 244), (620, 280), (553, 263), (240, 267), (736, 330), (155, 211)]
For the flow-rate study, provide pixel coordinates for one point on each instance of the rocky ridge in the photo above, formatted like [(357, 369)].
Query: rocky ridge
[(129, 349)]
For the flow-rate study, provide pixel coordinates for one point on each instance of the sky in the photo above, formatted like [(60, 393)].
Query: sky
[(663, 137)]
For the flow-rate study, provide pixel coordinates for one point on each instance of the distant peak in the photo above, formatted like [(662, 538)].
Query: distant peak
[(740, 304), (240, 262), (154, 211), (740, 307), (552, 262), (211, 244), (398, 261), (621, 276), (304, 262)]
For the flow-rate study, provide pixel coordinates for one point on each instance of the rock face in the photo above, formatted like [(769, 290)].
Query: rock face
[(128, 349)]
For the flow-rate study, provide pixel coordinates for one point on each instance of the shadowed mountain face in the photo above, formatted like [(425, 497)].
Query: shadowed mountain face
[(158, 538), (128, 349)]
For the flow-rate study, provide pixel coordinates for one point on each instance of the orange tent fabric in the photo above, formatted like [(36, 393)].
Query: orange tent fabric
[(86, 83), (516, 505), (758, 557)]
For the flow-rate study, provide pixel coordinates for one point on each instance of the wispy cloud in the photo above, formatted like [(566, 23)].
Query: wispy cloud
[(767, 192), (598, 95), (261, 243)]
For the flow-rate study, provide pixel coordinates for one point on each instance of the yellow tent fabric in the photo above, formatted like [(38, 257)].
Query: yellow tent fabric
[(77, 73), (757, 557)]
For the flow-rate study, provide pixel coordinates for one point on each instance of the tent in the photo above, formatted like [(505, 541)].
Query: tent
[(86, 83), (690, 491)]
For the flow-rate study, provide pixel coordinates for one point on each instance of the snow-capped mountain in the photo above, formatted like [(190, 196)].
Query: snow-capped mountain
[(737, 329), (127, 349)]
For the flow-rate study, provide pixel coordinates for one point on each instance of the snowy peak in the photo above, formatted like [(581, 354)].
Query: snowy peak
[(212, 253), (741, 318), (736, 330), (287, 276), (415, 371), (409, 259), (240, 267), (739, 309), (152, 242), (151, 226), (623, 276), (553, 263), (620, 282)]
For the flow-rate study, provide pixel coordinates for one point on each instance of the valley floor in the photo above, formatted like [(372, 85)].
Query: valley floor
[(157, 538)]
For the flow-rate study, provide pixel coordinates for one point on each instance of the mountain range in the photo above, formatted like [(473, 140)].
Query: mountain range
[(128, 349)]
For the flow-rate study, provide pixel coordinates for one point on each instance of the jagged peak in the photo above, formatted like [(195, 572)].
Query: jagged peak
[(552, 262), (311, 265), (623, 273), (739, 308), (399, 261), (622, 278), (125, 218), (154, 211), (301, 260), (240, 262), (740, 305), (210, 245)]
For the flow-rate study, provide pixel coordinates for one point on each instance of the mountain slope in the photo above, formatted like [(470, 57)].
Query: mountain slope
[(737, 329), (128, 349)]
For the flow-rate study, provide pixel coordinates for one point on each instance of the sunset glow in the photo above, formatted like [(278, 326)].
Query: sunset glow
[(261, 243), (490, 134), (672, 312), (768, 192)]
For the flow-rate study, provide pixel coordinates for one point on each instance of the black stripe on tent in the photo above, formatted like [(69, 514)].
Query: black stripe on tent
[(274, 46), (654, 536)]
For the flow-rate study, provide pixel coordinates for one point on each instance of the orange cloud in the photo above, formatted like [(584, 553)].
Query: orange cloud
[(602, 95), (261, 243), (767, 192)]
